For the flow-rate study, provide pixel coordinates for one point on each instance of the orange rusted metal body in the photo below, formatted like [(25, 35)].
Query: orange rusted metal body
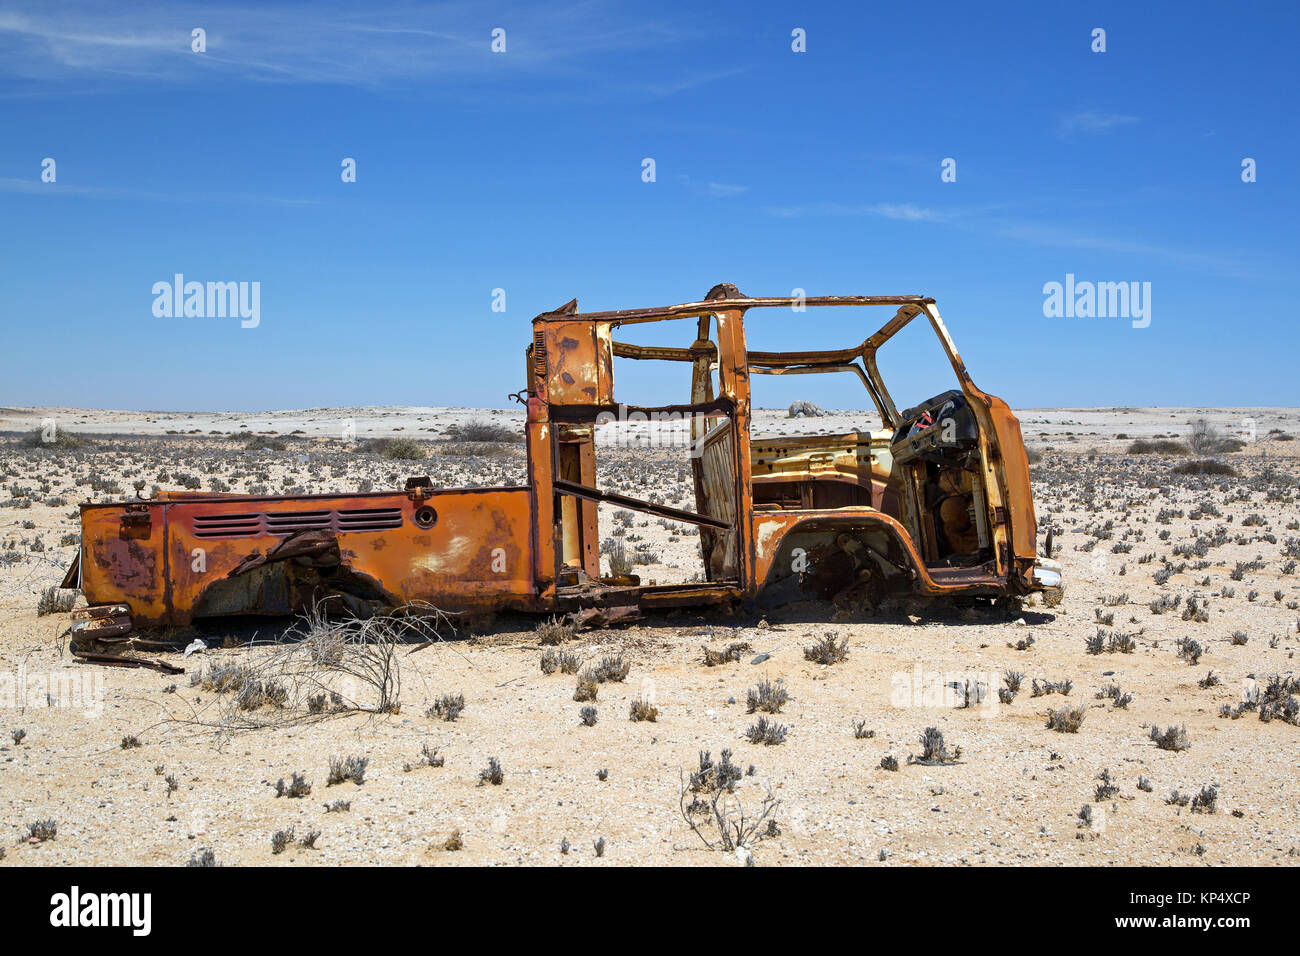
[(843, 517)]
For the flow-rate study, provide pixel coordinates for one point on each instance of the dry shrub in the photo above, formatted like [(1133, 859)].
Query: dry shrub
[(827, 650), (1067, 720), (715, 814), (728, 655), (56, 600), (554, 631), (321, 668)]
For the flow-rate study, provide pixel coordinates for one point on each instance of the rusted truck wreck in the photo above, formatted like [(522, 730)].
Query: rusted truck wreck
[(935, 502)]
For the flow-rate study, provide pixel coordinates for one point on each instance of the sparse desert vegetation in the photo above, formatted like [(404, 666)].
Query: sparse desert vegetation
[(1167, 669)]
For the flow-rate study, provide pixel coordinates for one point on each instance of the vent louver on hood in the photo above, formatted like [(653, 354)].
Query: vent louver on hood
[(539, 353), (285, 523)]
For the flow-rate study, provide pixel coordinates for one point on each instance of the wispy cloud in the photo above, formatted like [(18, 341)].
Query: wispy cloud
[(888, 210), (55, 190), (908, 212), (724, 189), (1091, 123), (985, 220), (690, 81), (324, 42), (712, 190), (1050, 235)]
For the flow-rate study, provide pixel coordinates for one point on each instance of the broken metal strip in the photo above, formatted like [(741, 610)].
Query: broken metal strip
[(111, 660), (98, 611), (72, 577), (836, 357), (695, 309), (191, 498), (586, 414), (636, 504), (662, 353), (901, 318), (815, 369)]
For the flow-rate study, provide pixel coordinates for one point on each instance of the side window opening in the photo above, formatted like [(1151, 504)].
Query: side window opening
[(935, 448), (654, 450)]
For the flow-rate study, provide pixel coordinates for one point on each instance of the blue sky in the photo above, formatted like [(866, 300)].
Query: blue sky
[(522, 170)]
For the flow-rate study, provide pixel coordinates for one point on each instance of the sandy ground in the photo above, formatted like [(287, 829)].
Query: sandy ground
[(1014, 795)]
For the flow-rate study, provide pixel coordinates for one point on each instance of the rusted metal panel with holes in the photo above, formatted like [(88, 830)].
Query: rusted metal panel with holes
[(465, 548), (845, 516)]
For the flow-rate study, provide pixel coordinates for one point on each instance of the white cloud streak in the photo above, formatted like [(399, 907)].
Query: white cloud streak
[(330, 43), (1092, 123)]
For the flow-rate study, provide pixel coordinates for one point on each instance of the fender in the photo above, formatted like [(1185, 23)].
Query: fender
[(772, 529)]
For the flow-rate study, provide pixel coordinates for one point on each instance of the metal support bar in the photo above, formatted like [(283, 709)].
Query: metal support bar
[(636, 504)]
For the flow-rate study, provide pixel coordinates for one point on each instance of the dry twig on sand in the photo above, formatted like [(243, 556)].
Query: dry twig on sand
[(322, 667)]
